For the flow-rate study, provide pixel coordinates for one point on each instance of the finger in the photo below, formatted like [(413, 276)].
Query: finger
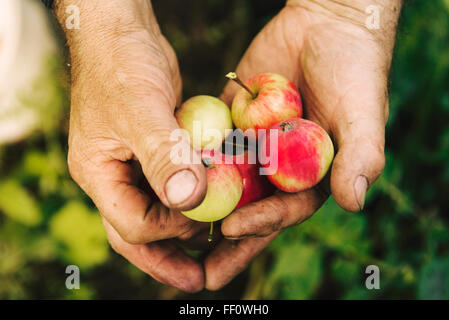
[(161, 260), (358, 163), (197, 229), (145, 90), (272, 214), (198, 237), (358, 129), (352, 104), (230, 258), (134, 214), (174, 68), (179, 183)]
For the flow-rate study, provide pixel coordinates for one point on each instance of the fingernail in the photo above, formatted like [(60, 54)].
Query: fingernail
[(180, 186), (234, 238), (360, 187), (240, 238)]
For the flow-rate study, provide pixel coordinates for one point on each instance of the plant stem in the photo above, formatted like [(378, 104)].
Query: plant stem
[(233, 76), (210, 238)]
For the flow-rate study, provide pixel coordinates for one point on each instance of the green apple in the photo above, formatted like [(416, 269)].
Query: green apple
[(206, 119), (224, 190)]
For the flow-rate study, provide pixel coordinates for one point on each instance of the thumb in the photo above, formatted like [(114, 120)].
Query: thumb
[(360, 138), (178, 185)]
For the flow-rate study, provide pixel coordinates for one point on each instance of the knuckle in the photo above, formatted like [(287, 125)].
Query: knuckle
[(279, 214), (115, 247), (133, 235), (183, 226), (302, 205), (158, 153), (166, 223), (73, 166), (283, 209), (378, 162), (157, 163)]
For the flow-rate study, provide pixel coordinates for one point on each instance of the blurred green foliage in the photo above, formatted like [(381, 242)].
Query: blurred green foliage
[(46, 221)]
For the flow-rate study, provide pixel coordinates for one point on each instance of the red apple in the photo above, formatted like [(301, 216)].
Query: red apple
[(224, 190), (255, 186), (264, 100), (304, 154)]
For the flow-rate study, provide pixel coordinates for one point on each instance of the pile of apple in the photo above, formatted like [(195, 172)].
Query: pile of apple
[(303, 152)]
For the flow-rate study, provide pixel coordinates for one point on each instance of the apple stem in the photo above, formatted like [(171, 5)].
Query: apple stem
[(208, 163), (210, 238), (233, 76), (235, 144), (286, 126)]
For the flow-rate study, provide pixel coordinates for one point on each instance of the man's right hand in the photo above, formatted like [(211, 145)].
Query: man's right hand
[(125, 86)]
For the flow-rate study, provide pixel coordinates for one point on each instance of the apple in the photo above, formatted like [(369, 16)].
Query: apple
[(206, 120), (224, 190), (304, 154), (263, 101), (255, 185)]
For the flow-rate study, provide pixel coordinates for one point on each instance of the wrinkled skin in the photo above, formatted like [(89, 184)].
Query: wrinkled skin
[(341, 70), (126, 84)]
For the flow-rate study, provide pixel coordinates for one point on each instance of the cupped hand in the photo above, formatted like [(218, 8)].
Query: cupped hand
[(125, 86), (341, 69)]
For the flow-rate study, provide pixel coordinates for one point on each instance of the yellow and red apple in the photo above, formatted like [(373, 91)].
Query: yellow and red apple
[(303, 154), (224, 190), (264, 100), (255, 185), (206, 119)]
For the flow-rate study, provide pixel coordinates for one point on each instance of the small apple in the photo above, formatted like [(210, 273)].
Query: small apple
[(255, 186), (224, 190), (304, 154), (264, 100), (206, 119)]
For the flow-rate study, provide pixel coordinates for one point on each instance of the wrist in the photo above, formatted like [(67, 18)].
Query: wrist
[(356, 11), (102, 21), (106, 27), (360, 14)]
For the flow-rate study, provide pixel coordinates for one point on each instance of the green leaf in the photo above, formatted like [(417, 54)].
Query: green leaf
[(338, 229), (434, 280), (296, 273), (83, 293), (18, 204), (346, 272), (36, 163), (360, 293), (446, 2), (81, 232)]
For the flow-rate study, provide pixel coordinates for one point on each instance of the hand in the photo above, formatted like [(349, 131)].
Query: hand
[(341, 69), (125, 86)]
